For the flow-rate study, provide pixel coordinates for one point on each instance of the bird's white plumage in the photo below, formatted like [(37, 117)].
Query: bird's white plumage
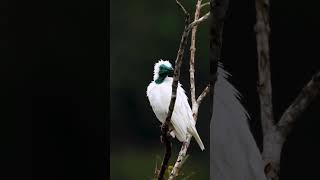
[(159, 96)]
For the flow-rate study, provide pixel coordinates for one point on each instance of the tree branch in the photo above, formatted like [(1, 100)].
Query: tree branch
[(203, 94), (204, 4), (165, 126), (264, 85), (183, 9), (272, 142), (308, 94), (181, 156), (200, 20), (192, 55)]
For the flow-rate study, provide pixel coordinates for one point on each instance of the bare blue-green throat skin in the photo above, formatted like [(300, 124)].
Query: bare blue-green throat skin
[(164, 71)]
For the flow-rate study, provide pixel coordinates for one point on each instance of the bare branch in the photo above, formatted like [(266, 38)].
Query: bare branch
[(307, 95), (181, 156), (264, 85), (272, 141), (205, 4), (165, 138), (200, 20), (192, 55), (203, 94), (183, 9)]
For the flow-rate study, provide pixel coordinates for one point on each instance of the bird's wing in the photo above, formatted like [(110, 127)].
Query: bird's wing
[(179, 119)]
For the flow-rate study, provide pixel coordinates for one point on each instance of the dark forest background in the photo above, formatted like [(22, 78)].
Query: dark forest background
[(141, 32), (54, 79)]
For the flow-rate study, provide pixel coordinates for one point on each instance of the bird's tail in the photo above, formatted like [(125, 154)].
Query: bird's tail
[(194, 133)]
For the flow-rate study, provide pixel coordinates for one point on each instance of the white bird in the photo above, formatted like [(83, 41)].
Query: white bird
[(159, 95)]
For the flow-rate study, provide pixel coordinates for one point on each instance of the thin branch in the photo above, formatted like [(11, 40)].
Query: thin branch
[(165, 126), (204, 4), (307, 95), (200, 20), (192, 55), (183, 9), (203, 94), (181, 156)]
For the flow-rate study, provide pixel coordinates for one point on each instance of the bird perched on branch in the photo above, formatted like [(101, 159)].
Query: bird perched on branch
[(159, 95)]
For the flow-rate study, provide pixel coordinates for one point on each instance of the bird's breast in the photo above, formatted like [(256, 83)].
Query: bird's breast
[(159, 97)]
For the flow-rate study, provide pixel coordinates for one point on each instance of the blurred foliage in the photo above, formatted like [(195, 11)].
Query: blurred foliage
[(141, 33)]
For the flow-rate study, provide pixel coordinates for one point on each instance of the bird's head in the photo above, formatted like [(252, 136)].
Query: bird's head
[(161, 70)]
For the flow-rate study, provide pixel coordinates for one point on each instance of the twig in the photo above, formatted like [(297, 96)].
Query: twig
[(165, 126), (184, 10), (203, 94), (200, 20), (308, 94), (205, 4)]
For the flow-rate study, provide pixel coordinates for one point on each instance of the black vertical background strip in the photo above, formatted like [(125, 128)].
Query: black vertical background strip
[(54, 88)]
